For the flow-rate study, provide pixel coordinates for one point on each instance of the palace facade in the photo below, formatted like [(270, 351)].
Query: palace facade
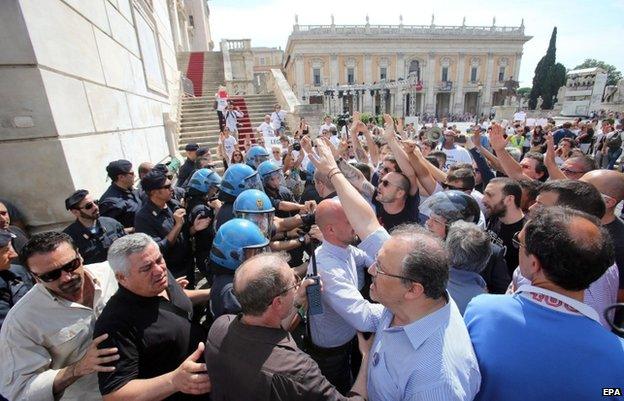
[(406, 70)]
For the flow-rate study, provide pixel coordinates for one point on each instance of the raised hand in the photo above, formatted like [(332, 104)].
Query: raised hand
[(306, 145), (497, 140), (388, 122), (323, 159)]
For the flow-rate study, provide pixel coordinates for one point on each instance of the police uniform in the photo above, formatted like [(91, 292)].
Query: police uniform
[(93, 242), (15, 281), (187, 168), (119, 203)]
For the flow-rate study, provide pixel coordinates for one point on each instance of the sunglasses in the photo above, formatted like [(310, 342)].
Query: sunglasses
[(447, 186), (88, 206), (55, 274), (384, 183)]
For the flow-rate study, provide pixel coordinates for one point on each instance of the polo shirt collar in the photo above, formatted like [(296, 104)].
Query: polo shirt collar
[(464, 276)]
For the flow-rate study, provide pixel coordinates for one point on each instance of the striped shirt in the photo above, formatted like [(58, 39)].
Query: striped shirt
[(430, 359)]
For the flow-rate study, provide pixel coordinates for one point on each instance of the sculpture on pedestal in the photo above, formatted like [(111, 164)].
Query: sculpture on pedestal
[(539, 103)]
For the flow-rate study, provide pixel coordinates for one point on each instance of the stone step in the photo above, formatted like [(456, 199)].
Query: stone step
[(187, 105)]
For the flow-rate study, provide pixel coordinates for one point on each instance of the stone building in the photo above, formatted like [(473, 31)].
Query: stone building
[(403, 69), (264, 60), (83, 83)]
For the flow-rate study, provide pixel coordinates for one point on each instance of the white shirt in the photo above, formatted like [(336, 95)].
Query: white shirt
[(277, 118), (229, 144), (266, 129), (222, 103), (455, 156), (43, 333), (231, 118), (326, 127)]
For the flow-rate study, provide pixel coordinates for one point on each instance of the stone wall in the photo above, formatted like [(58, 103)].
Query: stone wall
[(81, 83)]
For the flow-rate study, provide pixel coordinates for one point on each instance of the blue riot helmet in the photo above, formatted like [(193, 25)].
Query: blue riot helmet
[(239, 177), (310, 170), (236, 241), (447, 207), (206, 182), (268, 170), (255, 206), (256, 155)]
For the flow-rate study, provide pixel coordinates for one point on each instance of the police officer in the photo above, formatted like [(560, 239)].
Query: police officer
[(120, 201), (237, 178), (93, 234), (201, 201), (14, 279), (187, 168), (162, 218), (444, 208), (236, 241), (144, 168), (256, 155)]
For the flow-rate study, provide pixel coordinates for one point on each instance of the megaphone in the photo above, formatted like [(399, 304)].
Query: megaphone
[(434, 134)]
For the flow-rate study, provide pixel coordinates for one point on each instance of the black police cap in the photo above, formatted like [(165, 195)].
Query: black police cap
[(75, 198), (155, 179), (118, 167)]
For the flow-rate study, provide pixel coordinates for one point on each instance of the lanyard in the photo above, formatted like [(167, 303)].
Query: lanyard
[(556, 301)]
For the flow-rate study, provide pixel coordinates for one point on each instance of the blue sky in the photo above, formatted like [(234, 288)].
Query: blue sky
[(586, 29)]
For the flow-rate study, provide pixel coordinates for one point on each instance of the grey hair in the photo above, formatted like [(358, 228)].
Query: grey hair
[(426, 262), (469, 247), (514, 152), (258, 292), (125, 246)]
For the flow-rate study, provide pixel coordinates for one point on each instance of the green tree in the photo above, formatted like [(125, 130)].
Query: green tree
[(549, 76), (614, 75), (524, 91)]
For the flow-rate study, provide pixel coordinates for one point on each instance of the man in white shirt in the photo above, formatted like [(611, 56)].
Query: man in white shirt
[(327, 125), (278, 119), (46, 345), (227, 144), (267, 131), (232, 114), (454, 153)]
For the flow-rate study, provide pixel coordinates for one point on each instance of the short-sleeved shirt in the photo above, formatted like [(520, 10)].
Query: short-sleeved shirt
[(262, 363), (158, 223), (502, 235), (455, 156), (120, 204), (93, 243), (154, 336), (409, 214), (14, 284)]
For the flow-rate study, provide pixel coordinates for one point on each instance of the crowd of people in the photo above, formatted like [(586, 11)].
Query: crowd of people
[(453, 266)]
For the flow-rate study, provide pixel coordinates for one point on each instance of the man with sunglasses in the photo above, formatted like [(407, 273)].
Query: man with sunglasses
[(162, 218), (120, 201), (273, 367), (46, 345), (93, 234)]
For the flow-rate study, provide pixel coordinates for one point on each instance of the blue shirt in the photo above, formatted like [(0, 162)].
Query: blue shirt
[(528, 351), (344, 308), (429, 359), (463, 286)]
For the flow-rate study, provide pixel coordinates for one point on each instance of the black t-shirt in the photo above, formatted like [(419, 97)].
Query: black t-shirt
[(502, 234), (409, 214), (616, 229), (153, 335), (93, 243)]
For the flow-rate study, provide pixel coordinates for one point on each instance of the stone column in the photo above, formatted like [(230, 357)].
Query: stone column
[(516, 71), (459, 85), (333, 69), (486, 98), (368, 79), (299, 75), (430, 88)]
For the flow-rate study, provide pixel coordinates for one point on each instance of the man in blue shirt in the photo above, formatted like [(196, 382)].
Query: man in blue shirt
[(563, 132), (421, 348), (544, 343)]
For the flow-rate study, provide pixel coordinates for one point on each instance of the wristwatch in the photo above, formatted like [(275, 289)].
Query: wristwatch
[(301, 239)]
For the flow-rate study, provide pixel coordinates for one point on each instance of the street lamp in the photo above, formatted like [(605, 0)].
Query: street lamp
[(479, 88)]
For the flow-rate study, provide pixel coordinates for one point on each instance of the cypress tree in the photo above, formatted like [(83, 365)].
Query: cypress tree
[(549, 76)]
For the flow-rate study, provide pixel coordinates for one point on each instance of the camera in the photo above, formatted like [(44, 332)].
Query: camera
[(296, 146)]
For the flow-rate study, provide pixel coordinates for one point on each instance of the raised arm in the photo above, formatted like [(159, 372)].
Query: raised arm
[(357, 127), (549, 160), (510, 166), (359, 212), (372, 146), (399, 153), (473, 148), (421, 166)]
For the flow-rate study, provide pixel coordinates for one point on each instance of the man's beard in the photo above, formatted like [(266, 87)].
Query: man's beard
[(71, 287), (86, 216), (498, 210)]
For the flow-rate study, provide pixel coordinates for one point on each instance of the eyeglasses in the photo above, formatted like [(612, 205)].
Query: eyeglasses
[(448, 186), (567, 170), (377, 268), (55, 274), (384, 183), (516, 241), (296, 286)]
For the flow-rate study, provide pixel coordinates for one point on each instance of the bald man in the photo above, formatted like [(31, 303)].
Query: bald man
[(273, 368), (345, 311), (610, 183)]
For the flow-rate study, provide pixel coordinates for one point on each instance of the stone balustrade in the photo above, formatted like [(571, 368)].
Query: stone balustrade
[(416, 30)]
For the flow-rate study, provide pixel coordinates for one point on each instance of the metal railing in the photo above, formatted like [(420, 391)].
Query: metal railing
[(187, 86)]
